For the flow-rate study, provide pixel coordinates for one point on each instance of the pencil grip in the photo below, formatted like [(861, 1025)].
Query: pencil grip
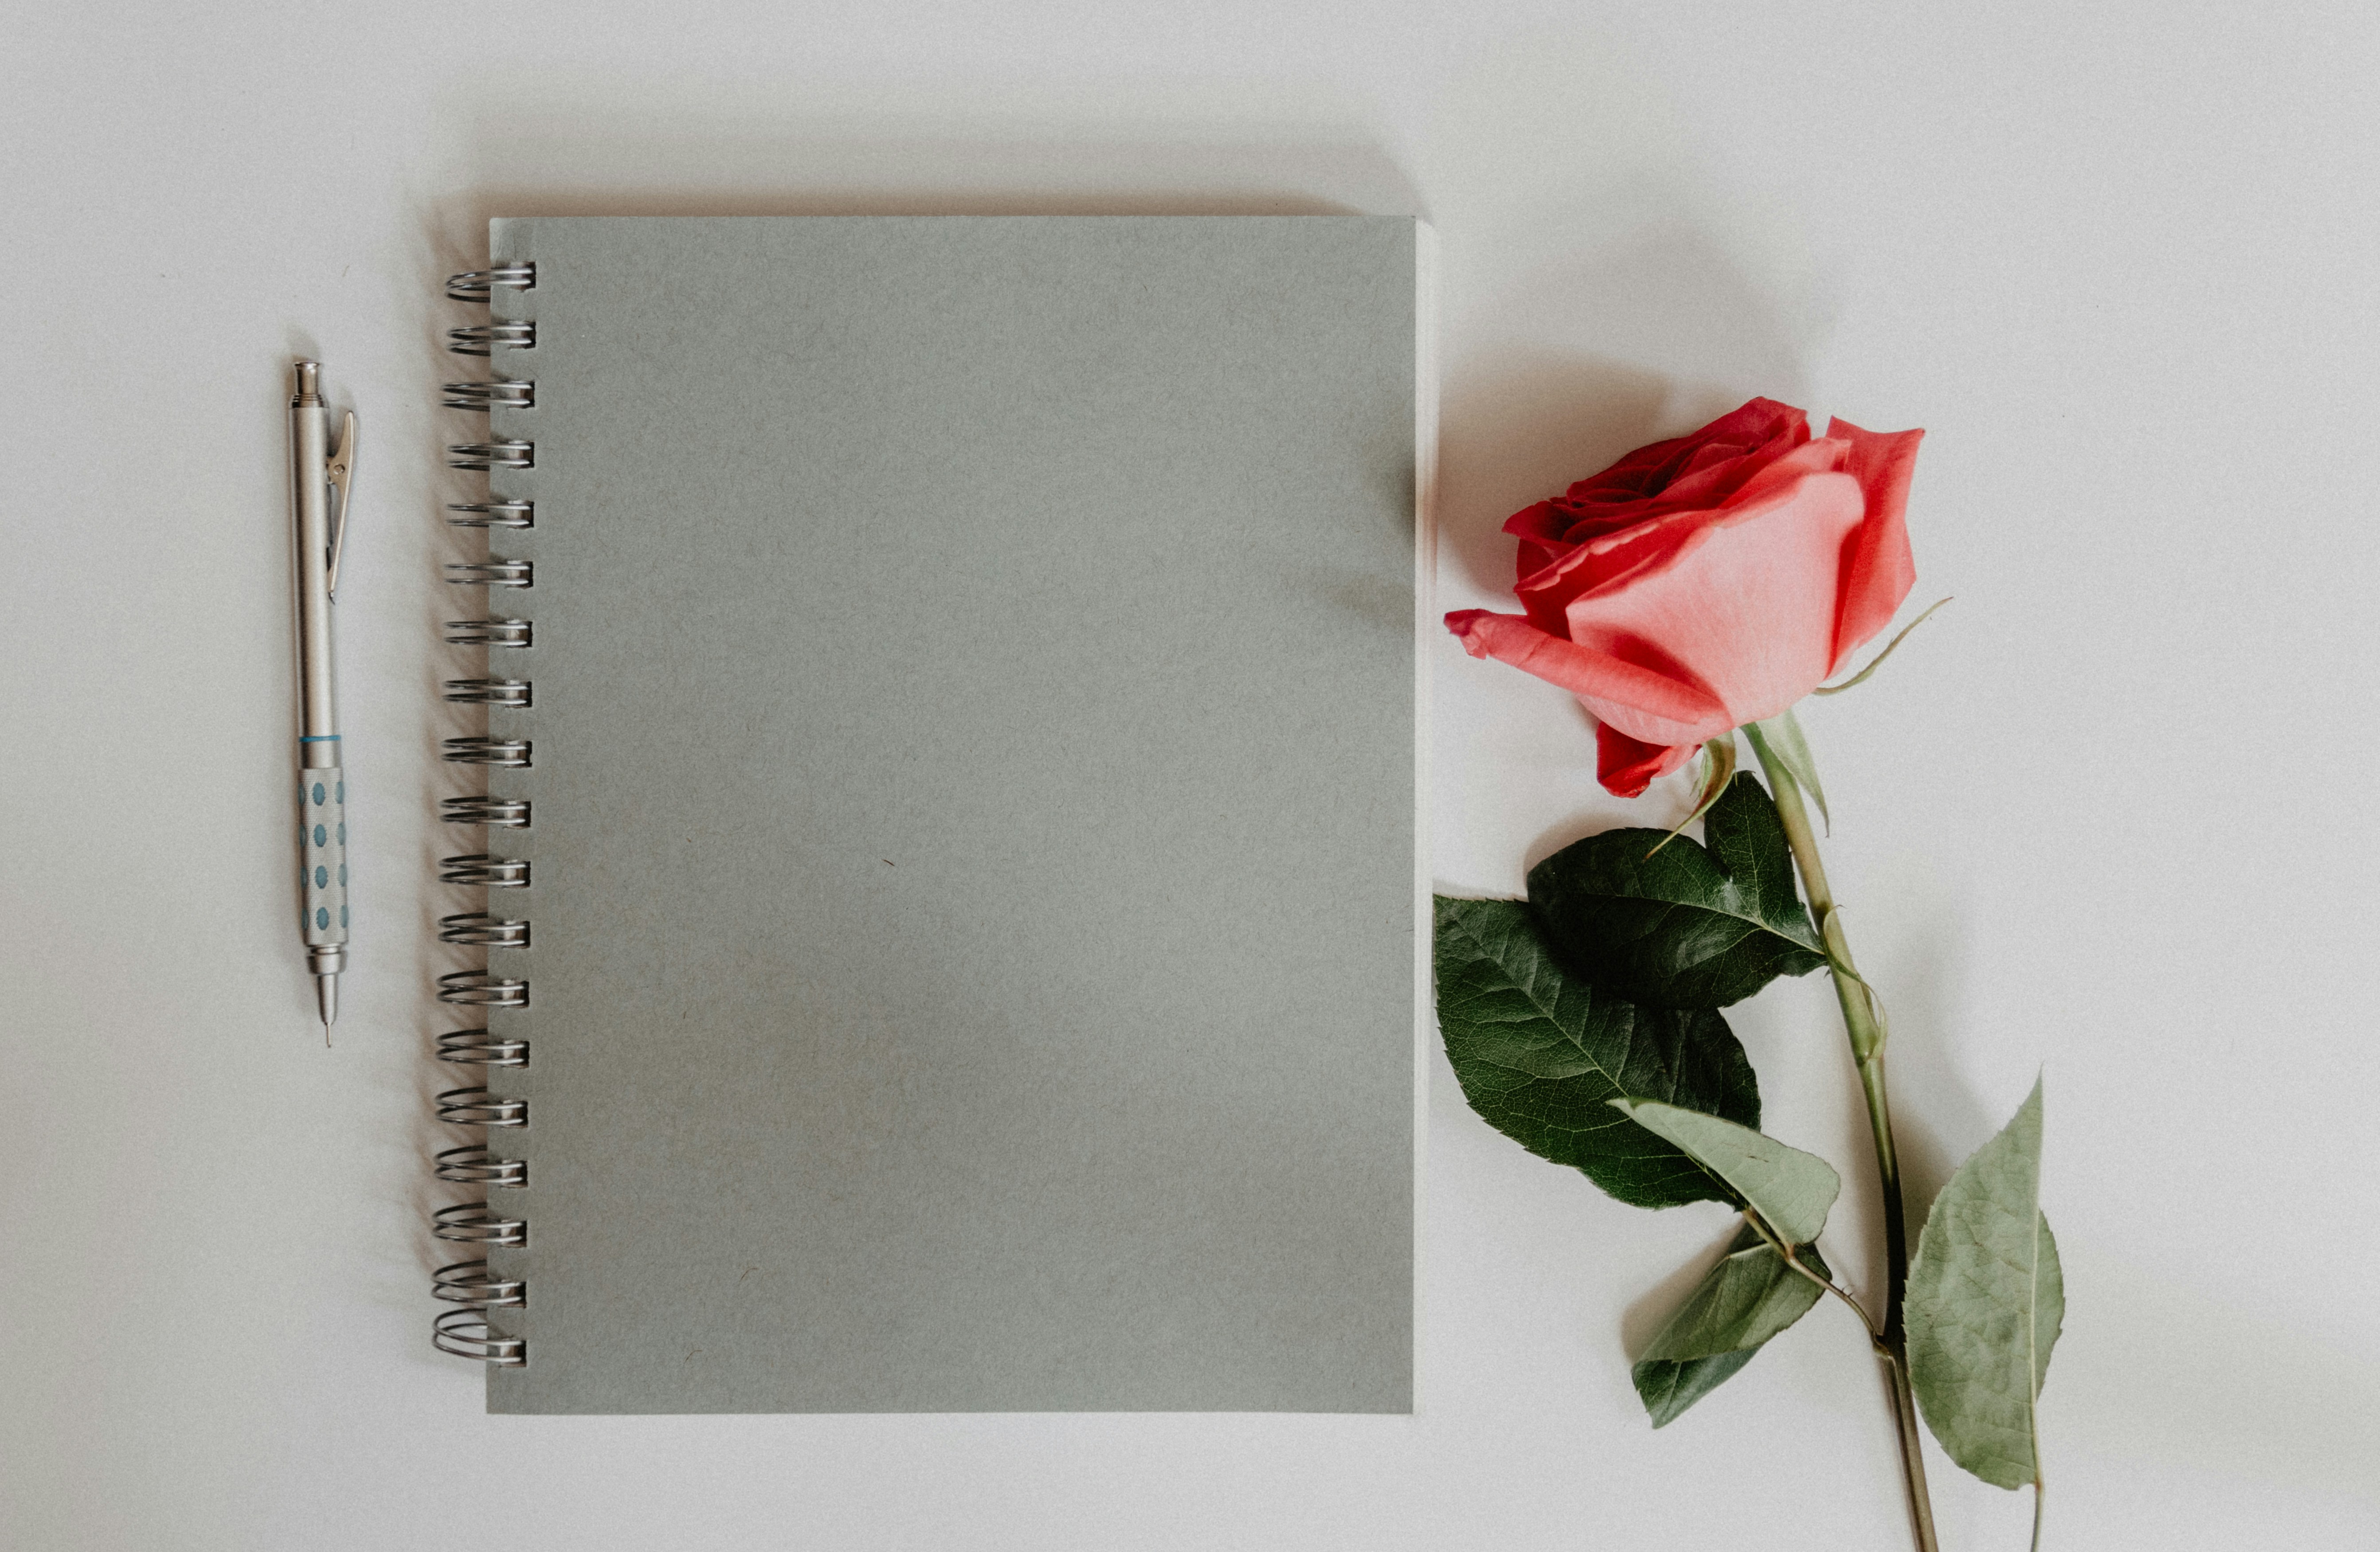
[(323, 851)]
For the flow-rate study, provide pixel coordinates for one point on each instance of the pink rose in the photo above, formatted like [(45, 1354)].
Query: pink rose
[(1706, 582)]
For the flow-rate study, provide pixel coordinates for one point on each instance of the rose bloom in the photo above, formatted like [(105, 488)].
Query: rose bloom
[(1706, 582)]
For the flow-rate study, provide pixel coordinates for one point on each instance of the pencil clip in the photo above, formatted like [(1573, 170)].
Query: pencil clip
[(340, 470)]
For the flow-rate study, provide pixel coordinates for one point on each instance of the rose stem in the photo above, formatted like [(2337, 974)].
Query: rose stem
[(1867, 1055)]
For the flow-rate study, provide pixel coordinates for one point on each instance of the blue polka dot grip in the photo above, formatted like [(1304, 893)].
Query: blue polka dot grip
[(323, 853)]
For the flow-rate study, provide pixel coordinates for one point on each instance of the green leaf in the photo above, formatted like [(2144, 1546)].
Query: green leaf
[(1749, 1297), (1790, 1189), (1669, 1387), (1878, 662), (1540, 1052), (1782, 736), (1687, 925), (1985, 1298), (1717, 759)]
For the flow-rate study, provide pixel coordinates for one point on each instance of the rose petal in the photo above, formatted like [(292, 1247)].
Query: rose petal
[(1608, 560), (1626, 767), (1647, 470), (1547, 592), (1698, 469), (1642, 702), (1539, 528), (1745, 605), (1714, 473), (1877, 569)]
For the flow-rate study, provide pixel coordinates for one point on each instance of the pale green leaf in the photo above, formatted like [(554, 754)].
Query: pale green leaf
[(1744, 1300), (1986, 1299), (1878, 662), (1667, 1386), (1790, 1189), (1782, 736), (1718, 758)]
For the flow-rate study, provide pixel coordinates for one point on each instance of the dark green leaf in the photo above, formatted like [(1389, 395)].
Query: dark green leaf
[(1985, 1300), (1747, 1298), (1540, 1054), (1688, 926)]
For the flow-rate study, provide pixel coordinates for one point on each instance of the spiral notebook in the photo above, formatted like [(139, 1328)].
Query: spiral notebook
[(953, 925)]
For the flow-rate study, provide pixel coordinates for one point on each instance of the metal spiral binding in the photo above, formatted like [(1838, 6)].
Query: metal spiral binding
[(470, 1284), (494, 514), (508, 813), (488, 633), (510, 393), (478, 1107), (511, 754), (479, 870), (476, 1287), (512, 693), (482, 988), (492, 574), (478, 285), (466, 1334), (480, 339), (473, 1223), (511, 454), (484, 930), (480, 1166), (477, 1048)]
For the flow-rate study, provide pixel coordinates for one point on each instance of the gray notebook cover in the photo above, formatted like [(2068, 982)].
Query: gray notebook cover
[(972, 858)]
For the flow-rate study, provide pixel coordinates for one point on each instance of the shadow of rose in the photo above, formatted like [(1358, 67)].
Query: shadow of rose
[(1643, 338), (1517, 424)]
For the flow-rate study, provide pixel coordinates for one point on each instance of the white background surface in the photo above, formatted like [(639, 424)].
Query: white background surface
[(2105, 813)]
